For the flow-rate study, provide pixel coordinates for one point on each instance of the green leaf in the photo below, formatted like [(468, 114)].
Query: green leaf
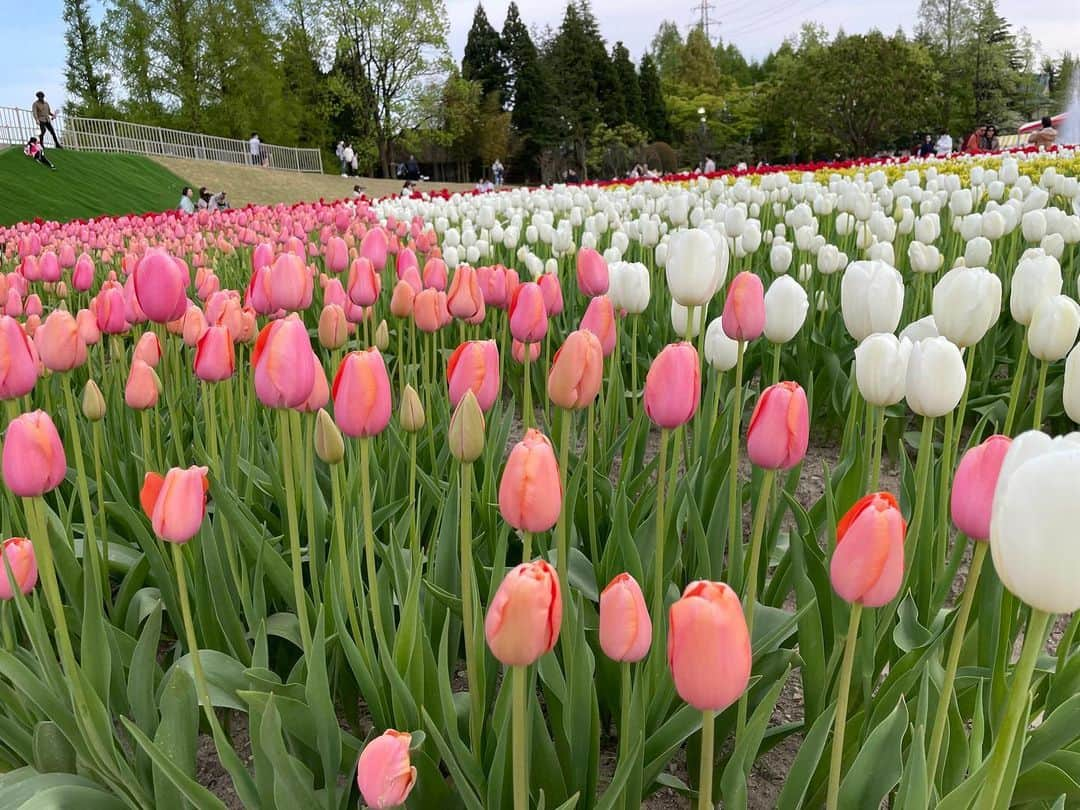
[(195, 793), (322, 707), (733, 781), (224, 677), (806, 762), (293, 786), (878, 766), (177, 735), (1057, 731), (52, 751)]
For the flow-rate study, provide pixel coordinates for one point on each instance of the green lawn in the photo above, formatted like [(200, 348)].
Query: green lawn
[(85, 184)]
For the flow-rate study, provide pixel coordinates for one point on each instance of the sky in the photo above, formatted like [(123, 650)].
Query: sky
[(33, 54)]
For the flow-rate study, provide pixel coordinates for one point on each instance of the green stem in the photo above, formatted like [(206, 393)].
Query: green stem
[(1015, 709), (189, 631), (289, 474), (590, 483), (342, 554), (527, 407), (708, 734), (633, 355), (776, 362), (661, 534), (941, 717), (1014, 389), (561, 540), (961, 410), (369, 537), (526, 546), (837, 762), (476, 714), (878, 440), (760, 511), (90, 546), (734, 523), (414, 500), (1040, 392), (624, 708), (305, 451), (520, 739), (913, 551)]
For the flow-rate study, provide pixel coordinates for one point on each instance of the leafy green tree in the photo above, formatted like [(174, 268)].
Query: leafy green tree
[(945, 26), (571, 67), (666, 49), (613, 151), (85, 68), (627, 79), (483, 61), (399, 45), (653, 106), (531, 97), (696, 69)]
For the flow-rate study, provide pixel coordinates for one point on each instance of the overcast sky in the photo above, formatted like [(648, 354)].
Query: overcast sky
[(32, 57)]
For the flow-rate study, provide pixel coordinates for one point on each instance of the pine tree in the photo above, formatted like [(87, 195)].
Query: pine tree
[(530, 90), (628, 81), (482, 61), (572, 67), (85, 65), (654, 110)]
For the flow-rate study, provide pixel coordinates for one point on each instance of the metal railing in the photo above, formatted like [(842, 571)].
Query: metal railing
[(107, 135)]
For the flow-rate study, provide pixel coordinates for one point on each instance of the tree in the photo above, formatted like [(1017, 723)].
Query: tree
[(399, 45), (627, 79), (654, 110), (666, 49), (696, 69), (85, 69), (483, 61), (531, 91), (571, 66), (944, 25)]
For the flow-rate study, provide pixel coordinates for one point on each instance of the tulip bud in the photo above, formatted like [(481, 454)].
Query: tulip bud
[(382, 336), (412, 411), (530, 492), (467, 429), (974, 484), (525, 616), (779, 430), (1054, 326), (935, 377), (329, 444), (881, 363), (93, 403)]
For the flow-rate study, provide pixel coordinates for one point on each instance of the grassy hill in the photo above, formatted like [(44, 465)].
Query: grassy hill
[(85, 184), (250, 184)]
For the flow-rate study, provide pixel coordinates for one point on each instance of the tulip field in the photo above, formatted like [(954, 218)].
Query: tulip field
[(574, 497)]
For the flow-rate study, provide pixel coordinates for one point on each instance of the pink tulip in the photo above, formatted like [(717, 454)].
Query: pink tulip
[(148, 349), (82, 278), (868, 562), (552, 289), (33, 459), (401, 301), (175, 503), (141, 390), (974, 484), (528, 315), (361, 394), (108, 308), (464, 299), (373, 247), (384, 772), (364, 283), (673, 386), (290, 285), (709, 646), (49, 267), (779, 430), (518, 350), (215, 357), (599, 318), (320, 391), (336, 255), (625, 626), (18, 554), (160, 283), (744, 308), (530, 492), (59, 344), (592, 273), (18, 367), (474, 366), (193, 326), (88, 327), (284, 364), (435, 273)]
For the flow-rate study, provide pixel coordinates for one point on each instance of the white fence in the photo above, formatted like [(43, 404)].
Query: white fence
[(106, 135)]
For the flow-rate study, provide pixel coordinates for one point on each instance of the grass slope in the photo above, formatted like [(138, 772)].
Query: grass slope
[(251, 184), (85, 184)]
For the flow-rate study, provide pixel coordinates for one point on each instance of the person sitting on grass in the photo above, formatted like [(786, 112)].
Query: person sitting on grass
[(35, 151)]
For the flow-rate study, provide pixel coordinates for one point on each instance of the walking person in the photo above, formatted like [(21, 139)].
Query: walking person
[(339, 151), (35, 151), (44, 116), (347, 157), (255, 149), (497, 171)]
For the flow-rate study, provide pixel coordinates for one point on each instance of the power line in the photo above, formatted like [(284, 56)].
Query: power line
[(766, 17), (705, 13)]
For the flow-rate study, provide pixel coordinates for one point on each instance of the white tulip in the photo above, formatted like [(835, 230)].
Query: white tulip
[(660, 254), (1033, 521), (628, 286), (734, 221), (1070, 394), (786, 305), (1054, 245), (922, 329), (928, 228), (1037, 277), (871, 298), (612, 255), (961, 202), (977, 253), (680, 320), (881, 362), (694, 269), (924, 258), (721, 352), (821, 301), (828, 259), (935, 377), (780, 257), (751, 236), (993, 225), (450, 256), (966, 303), (970, 226), (1054, 327)]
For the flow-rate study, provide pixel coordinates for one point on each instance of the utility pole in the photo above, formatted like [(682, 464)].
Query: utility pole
[(705, 21)]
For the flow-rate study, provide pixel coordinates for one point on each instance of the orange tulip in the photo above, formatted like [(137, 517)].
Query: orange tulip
[(430, 311), (577, 370), (625, 626), (709, 646), (530, 492), (523, 621), (868, 563), (333, 327), (464, 299), (401, 301)]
